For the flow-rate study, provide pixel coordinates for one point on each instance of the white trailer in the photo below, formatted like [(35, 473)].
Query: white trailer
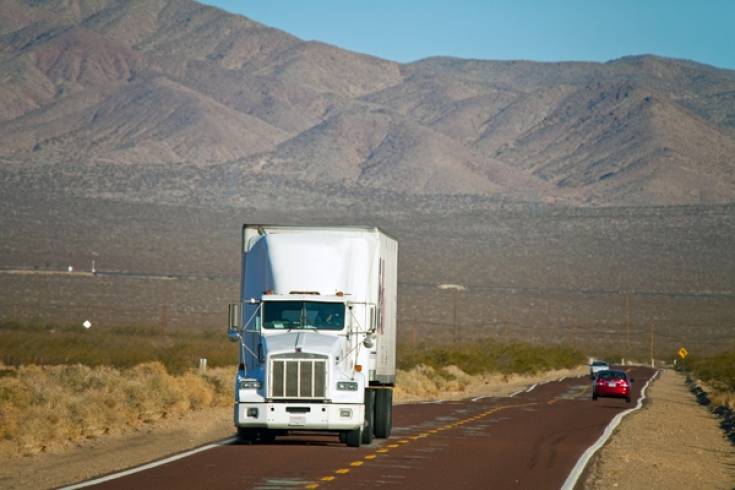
[(316, 324)]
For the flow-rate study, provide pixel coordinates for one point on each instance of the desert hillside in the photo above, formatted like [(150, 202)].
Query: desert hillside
[(177, 83)]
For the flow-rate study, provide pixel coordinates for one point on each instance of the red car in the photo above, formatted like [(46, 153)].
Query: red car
[(611, 384)]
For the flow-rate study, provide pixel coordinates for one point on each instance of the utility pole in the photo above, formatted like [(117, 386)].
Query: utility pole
[(653, 344), (456, 332), (627, 324)]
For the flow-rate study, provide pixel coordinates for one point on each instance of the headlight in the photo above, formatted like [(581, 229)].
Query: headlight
[(347, 385), (249, 384)]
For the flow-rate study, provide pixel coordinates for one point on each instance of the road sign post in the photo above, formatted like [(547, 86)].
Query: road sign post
[(683, 353)]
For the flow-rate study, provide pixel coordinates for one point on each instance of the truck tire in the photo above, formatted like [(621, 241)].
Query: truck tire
[(369, 426), (353, 438), (267, 436), (383, 413), (246, 435)]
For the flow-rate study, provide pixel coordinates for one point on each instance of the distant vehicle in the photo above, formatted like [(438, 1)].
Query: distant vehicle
[(598, 366), (612, 384)]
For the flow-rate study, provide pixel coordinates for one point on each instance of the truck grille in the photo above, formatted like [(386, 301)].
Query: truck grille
[(298, 378)]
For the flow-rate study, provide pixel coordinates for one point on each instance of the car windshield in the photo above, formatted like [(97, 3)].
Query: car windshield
[(303, 315), (599, 363), (611, 375)]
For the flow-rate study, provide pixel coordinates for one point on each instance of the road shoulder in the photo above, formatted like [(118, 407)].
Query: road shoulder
[(112, 453), (672, 442)]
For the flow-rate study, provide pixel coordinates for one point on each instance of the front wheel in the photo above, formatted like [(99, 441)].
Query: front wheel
[(267, 436), (627, 399), (369, 426), (246, 435), (353, 438), (383, 413)]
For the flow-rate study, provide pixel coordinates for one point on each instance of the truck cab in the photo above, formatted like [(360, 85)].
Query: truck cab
[(314, 354)]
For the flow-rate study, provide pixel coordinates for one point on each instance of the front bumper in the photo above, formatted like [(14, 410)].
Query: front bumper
[(299, 416)]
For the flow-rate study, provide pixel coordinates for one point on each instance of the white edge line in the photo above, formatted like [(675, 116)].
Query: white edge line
[(148, 466), (578, 469), (531, 388)]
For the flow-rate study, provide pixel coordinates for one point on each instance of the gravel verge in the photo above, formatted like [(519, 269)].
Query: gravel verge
[(672, 442)]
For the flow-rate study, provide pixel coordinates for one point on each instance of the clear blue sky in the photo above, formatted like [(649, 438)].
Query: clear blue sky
[(552, 30)]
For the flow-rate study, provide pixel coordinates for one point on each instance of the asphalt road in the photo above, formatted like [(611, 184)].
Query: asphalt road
[(530, 440)]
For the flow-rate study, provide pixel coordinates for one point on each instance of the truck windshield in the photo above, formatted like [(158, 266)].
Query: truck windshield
[(303, 315)]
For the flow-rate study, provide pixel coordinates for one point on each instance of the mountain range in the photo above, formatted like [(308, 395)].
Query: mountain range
[(166, 85)]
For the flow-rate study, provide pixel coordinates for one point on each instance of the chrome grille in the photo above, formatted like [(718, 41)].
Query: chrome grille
[(298, 378)]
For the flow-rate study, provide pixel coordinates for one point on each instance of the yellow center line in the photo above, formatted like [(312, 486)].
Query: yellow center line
[(370, 457)]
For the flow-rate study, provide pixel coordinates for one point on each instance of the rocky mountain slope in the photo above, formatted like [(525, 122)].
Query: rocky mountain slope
[(178, 84)]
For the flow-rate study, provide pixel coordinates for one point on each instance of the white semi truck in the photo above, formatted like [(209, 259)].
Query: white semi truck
[(316, 325)]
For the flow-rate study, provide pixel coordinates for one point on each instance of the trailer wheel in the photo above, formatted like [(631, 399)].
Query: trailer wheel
[(353, 438), (383, 413), (369, 427)]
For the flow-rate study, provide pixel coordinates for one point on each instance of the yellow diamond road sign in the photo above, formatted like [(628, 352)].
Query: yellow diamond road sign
[(683, 353)]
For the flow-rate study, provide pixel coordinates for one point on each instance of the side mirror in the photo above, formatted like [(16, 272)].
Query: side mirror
[(234, 324), (632, 380)]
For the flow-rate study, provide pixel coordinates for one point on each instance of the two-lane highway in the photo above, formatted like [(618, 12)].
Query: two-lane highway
[(530, 440)]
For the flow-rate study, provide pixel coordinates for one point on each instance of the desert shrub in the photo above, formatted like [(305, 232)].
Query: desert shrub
[(178, 350), (717, 370), (491, 356), (42, 406)]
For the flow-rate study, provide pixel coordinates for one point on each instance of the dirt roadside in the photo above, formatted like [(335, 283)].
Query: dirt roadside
[(112, 453), (672, 442)]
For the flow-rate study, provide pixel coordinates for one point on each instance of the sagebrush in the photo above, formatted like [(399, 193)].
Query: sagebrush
[(47, 406), (121, 347), (491, 356)]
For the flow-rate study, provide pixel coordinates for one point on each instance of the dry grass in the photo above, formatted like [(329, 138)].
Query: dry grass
[(45, 407), (123, 347), (718, 374), (427, 383), (491, 356)]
